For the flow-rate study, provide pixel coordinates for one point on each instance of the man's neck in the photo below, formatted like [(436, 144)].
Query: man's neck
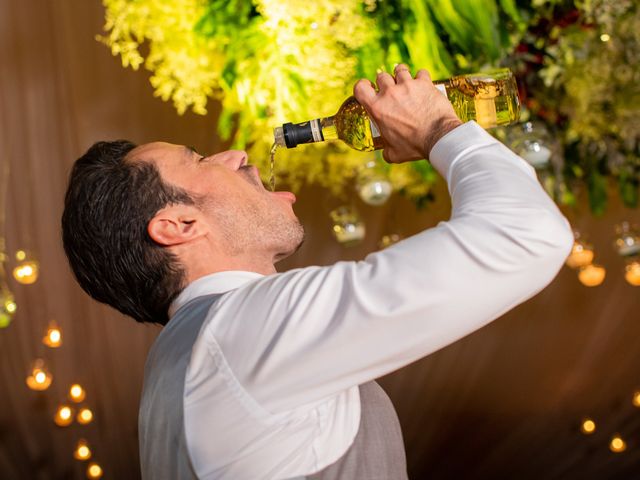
[(198, 269)]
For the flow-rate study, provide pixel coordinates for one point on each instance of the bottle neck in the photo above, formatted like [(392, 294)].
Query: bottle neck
[(318, 130)]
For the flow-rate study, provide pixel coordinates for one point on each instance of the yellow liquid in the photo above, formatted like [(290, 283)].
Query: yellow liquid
[(489, 103), (351, 125), (272, 167)]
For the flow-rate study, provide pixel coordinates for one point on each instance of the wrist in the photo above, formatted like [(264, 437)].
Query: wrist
[(443, 127)]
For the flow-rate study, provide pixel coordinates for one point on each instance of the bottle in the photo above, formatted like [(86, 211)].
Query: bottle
[(490, 98)]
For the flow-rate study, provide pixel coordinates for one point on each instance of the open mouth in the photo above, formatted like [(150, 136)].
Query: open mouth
[(252, 175)]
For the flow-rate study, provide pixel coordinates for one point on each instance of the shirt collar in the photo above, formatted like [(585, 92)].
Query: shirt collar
[(214, 283)]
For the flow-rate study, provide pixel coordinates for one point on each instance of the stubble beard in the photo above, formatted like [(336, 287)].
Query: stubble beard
[(259, 228), (296, 235)]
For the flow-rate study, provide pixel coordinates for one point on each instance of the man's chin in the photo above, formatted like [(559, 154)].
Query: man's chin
[(286, 254)]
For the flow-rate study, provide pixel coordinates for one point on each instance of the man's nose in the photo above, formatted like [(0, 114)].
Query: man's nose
[(233, 159)]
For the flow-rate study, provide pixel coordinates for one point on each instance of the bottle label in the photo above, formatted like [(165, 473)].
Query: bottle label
[(375, 132), (485, 105), (316, 130), (442, 88)]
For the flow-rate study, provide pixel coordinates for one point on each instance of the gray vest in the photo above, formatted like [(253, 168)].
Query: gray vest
[(377, 452)]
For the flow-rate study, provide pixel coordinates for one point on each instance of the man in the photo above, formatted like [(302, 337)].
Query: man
[(265, 375)]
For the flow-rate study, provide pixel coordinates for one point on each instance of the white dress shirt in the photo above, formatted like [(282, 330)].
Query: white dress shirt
[(271, 389)]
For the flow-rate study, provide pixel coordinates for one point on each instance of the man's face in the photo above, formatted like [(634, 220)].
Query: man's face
[(241, 212)]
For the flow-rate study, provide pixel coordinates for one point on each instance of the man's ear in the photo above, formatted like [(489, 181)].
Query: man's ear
[(176, 224)]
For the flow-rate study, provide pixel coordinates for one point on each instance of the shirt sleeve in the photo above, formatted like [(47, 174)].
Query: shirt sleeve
[(300, 336)]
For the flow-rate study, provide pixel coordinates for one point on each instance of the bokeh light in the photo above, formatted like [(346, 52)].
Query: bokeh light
[(63, 416), (39, 378), (77, 393), (82, 451)]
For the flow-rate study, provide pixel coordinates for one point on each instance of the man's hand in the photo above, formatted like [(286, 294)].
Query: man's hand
[(411, 113)]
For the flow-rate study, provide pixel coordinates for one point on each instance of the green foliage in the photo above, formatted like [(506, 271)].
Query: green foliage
[(446, 37), (223, 19), (597, 193), (591, 90), (629, 187), (272, 61), (423, 44)]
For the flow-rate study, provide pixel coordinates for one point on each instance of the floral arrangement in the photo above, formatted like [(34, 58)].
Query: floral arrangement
[(588, 90), (268, 62)]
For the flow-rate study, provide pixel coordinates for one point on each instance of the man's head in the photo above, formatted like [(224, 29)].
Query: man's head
[(141, 222)]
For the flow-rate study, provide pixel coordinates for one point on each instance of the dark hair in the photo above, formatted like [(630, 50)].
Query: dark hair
[(107, 208)]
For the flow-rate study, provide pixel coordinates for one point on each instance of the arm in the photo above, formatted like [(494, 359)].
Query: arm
[(312, 332)]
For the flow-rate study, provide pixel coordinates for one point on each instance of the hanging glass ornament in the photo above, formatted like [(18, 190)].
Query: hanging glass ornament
[(53, 336), (388, 240), (533, 142), (8, 307), (39, 378), (592, 275), (581, 253), (632, 273), (627, 241), (27, 269), (373, 185), (348, 227)]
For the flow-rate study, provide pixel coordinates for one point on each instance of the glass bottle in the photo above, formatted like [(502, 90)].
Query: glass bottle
[(490, 98)]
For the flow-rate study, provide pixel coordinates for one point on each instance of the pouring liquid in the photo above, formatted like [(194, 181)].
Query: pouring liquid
[(272, 167)]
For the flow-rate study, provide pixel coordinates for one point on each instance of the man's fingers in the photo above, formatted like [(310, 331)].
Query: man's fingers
[(364, 92), (385, 155), (384, 81), (423, 75), (402, 73)]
